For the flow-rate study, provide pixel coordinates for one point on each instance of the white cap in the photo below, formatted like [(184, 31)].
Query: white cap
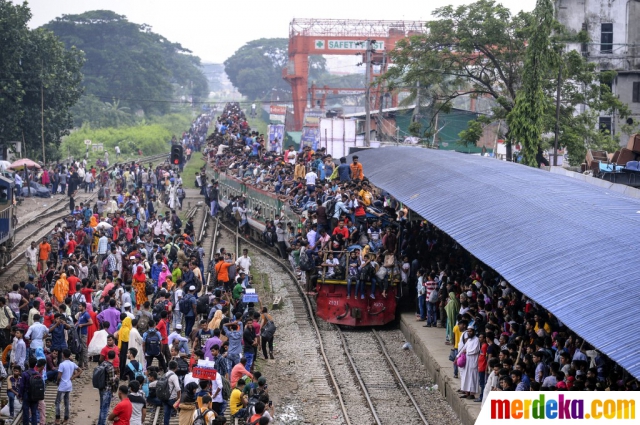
[(127, 305), (192, 288), (178, 326)]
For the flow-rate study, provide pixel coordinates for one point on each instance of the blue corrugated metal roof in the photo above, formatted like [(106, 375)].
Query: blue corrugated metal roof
[(570, 246)]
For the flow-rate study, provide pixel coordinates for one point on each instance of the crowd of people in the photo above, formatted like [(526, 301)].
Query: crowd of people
[(500, 339), (122, 282)]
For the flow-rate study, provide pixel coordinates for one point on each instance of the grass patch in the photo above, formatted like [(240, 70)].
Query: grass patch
[(190, 170), (258, 124)]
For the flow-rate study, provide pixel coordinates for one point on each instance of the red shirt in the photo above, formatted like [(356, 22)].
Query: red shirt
[(344, 231), (71, 246), (48, 319), (105, 353), (123, 411), (87, 294), (482, 359), (162, 328), (73, 282)]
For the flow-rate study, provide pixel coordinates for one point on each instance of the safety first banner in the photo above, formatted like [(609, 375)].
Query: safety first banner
[(584, 407)]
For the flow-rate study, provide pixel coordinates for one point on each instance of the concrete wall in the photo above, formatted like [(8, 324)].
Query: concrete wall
[(624, 90), (624, 15), (574, 13)]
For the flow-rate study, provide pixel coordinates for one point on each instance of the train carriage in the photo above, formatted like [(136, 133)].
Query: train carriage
[(7, 222), (332, 303)]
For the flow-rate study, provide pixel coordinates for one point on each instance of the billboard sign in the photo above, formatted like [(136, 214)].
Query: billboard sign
[(276, 132)]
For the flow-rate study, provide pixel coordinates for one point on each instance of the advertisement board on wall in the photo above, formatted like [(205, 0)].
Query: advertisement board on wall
[(310, 137), (277, 113), (312, 117), (276, 135)]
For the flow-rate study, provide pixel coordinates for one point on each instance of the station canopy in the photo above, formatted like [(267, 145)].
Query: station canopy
[(568, 245)]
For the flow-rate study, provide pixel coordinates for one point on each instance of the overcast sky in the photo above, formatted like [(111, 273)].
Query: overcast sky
[(214, 29)]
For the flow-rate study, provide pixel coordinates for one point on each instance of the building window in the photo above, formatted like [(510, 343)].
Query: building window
[(635, 96), (606, 38), (605, 125), (606, 84)]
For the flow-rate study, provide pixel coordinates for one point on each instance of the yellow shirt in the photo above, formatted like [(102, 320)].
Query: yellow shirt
[(300, 171), (366, 197), (235, 401), (547, 328), (456, 336)]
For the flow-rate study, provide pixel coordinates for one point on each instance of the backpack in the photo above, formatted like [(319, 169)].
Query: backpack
[(181, 194), (305, 262), (76, 299), (136, 373), (99, 378), (173, 252), (143, 323), (367, 272), (163, 388), (433, 297), (73, 341), (202, 305), (183, 367), (201, 419), (105, 265), (268, 330), (150, 288), (153, 344), (159, 308), (36, 386), (226, 388), (185, 303), (331, 208)]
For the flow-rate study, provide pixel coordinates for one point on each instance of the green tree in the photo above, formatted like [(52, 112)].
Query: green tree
[(130, 62), (475, 50), (480, 50), (256, 68), (40, 80), (526, 119)]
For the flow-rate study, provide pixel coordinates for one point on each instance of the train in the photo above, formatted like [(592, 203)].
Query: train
[(332, 304), (7, 219)]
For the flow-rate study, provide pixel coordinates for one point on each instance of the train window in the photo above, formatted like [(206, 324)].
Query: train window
[(4, 196)]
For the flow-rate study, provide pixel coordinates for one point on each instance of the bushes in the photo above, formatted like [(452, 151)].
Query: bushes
[(151, 138)]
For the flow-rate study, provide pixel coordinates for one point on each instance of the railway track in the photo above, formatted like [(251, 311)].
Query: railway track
[(31, 230), (325, 388), (389, 400)]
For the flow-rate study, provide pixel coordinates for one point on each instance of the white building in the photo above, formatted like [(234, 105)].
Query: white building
[(614, 29)]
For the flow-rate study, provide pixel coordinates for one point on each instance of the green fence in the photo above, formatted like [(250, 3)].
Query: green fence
[(269, 204)]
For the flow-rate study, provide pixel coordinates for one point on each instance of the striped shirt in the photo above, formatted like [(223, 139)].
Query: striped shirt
[(430, 286)]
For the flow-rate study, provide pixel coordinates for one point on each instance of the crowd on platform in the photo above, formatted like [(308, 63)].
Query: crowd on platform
[(500, 339), (122, 282)]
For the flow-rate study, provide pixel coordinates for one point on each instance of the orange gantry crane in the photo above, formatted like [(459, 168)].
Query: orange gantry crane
[(341, 37)]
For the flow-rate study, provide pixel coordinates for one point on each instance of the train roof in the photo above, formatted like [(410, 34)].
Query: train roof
[(566, 244), (5, 181)]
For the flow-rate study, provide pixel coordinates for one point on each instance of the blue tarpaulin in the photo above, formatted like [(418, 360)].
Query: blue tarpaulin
[(570, 246)]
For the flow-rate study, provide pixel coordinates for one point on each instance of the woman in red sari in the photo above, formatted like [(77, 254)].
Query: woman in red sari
[(139, 283), (94, 327)]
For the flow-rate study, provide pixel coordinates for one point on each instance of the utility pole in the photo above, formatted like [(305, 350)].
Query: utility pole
[(44, 159), (435, 133), (367, 100), (555, 145), (416, 110)]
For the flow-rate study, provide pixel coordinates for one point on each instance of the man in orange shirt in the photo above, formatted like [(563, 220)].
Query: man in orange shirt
[(222, 272), (43, 256), (357, 173)]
